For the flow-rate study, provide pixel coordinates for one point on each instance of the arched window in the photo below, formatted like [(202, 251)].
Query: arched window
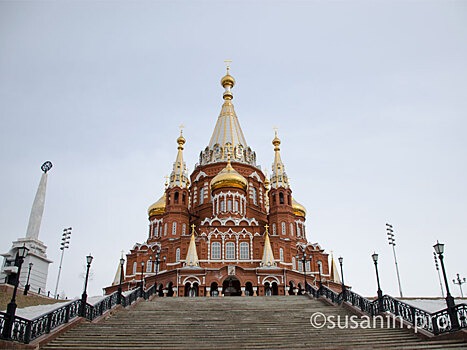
[(281, 198), (230, 251), (289, 200), (201, 195), (184, 198), (281, 254), (184, 229), (134, 267), (307, 266), (320, 266), (294, 265), (165, 229), (149, 266), (177, 255), (222, 205), (244, 251), (299, 231), (291, 229), (229, 205), (174, 228), (283, 228), (215, 250), (176, 198), (235, 206), (300, 265), (254, 196), (274, 229)]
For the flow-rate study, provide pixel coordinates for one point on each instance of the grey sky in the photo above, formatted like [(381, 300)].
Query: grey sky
[(370, 99)]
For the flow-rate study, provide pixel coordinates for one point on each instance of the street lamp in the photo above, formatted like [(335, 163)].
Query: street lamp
[(21, 253), (304, 261), (392, 242), (341, 261), (460, 282), (63, 245), (157, 262), (439, 249), (142, 280), (84, 296), (439, 275), (28, 286), (380, 292), (119, 293)]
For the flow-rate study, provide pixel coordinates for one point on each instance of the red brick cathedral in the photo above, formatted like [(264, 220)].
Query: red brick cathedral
[(227, 229)]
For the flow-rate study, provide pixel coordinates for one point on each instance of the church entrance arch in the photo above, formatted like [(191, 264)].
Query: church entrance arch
[(231, 286), (170, 289), (191, 290), (214, 289), (249, 289)]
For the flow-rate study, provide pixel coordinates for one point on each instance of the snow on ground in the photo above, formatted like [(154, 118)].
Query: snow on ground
[(32, 312), (431, 304)]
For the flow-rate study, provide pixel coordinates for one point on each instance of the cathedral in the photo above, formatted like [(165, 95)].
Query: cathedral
[(227, 229)]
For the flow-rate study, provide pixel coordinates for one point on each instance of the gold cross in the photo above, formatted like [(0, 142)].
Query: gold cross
[(275, 130), (193, 228), (181, 126), (227, 64), (266, 227)]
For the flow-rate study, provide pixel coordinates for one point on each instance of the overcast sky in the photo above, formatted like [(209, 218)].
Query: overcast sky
[(370, 98)]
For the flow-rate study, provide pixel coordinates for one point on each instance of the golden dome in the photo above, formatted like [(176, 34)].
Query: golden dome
[(157, 208), (298, 209), (229, 177), (228, 80)]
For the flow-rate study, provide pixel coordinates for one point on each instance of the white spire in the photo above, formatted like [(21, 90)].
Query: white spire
[(268, 256), (192, 256), (37, 210), (279, 176), (179, 175), (227, 136), (334, 275)]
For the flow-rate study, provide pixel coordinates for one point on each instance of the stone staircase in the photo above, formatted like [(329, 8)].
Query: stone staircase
[(277, 322)]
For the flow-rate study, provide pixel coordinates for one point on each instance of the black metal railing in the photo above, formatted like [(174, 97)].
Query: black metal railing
[(436, 323), (24, 330)]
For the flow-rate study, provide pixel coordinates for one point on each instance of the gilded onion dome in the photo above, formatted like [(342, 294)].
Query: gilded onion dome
[(229, 177), (298, 209), (157, 208)]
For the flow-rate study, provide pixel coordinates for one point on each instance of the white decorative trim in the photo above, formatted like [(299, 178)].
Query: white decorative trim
[(255, 175), (200, 175)]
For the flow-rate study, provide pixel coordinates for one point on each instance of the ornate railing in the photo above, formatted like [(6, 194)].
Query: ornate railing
[(436, 323), (24, 330)]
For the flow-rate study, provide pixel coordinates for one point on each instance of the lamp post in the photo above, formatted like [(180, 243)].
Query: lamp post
[(460, 282), (304, 260), (63, 245), (21, 253), (119, 292), (84, 296), (28, 286), (439, 249), (341, 262), (439, 275), (392, 242), (142, 280), (380, 292), (157, 262)]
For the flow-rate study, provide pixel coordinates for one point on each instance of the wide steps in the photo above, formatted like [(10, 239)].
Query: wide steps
[(277, 322)]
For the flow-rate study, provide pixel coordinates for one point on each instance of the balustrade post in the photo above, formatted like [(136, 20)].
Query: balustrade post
[(434, 322), (67, 313), (49, 323), (27, 334), (396, 307)]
